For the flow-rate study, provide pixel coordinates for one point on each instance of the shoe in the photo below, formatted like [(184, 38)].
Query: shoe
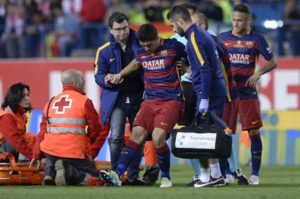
[(229, 179), (241, 179), (48, 180), (200, 184), (254, 180), (194, 180), (60, 178), (110, 177), (165, 183), (151, 174), (218, 182), (136, 182)]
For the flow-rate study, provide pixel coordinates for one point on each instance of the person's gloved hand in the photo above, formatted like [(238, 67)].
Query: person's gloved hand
[(203, 106)]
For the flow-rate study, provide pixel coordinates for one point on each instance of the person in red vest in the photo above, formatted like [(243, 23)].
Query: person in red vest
[(68, 145), (13, 119)]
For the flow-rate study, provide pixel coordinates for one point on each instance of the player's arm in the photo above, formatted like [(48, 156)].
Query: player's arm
[(265, 50), (255, 77), (118, 78)]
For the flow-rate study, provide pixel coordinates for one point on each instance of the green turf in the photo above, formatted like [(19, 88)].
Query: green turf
[(276, 182)]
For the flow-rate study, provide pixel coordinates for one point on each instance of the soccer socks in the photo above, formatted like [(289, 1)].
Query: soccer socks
[(204, 174), (163, 156), (224, 166), (215, 171), (196, 166), (233, 159), (127, 155), (256, 150)]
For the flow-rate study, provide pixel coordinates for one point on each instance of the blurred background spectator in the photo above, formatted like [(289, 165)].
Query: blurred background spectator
[(76, 28), (292, 28), (14, 31)]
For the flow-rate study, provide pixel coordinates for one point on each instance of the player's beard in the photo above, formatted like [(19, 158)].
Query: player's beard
[(180, 31)]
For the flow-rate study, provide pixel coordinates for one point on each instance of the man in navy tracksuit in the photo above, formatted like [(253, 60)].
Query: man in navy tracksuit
[(207, 78)]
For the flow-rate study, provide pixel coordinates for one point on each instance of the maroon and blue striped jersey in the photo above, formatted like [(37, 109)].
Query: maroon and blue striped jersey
[(244, 52), (161, 78)]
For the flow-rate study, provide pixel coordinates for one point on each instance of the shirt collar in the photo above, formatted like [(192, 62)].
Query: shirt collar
[(189, 31), (72, 88), (248, 32)]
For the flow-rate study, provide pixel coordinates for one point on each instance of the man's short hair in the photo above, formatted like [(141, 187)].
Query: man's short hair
[(177, 12), (192, 7), (118, 17), (241, 8), (147, 32)]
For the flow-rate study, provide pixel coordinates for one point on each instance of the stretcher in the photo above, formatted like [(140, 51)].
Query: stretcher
[(13, 173)]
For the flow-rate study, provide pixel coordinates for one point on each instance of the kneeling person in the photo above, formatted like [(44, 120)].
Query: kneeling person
[(68, 146)]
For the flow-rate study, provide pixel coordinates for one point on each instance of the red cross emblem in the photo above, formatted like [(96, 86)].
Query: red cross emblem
[(62, 104)]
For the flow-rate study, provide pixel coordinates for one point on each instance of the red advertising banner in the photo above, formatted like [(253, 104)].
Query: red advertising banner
[(43, 77), (279, 90)]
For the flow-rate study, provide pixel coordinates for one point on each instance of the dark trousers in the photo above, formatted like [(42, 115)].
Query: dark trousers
[(190, 104), (6, 147), (75, 169)]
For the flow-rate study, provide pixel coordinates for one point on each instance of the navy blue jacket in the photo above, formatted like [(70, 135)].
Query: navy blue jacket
[(108, 60), (207, 75)]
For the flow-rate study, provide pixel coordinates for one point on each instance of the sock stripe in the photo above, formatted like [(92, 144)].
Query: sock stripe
[(132, 144), (162, 149)]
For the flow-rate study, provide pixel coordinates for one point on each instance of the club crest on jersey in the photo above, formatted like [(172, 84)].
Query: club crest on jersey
[(164, 53), (238, 44), (62, 104), (249, 44)]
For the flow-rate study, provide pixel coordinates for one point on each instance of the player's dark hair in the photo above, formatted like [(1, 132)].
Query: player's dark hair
[(147, 32), (14, 95), (118, 17), (192, 7), (179, 12), (241, 8)]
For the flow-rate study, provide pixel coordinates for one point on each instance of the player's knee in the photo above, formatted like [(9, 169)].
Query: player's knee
[(138, 135), (253, 132), (159, 139)]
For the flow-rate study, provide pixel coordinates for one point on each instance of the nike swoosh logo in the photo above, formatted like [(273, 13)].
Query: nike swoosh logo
[(164, 124), (112, 59), (254, 122)]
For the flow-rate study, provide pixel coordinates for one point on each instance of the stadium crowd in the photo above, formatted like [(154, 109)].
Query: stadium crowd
[(64, 28)]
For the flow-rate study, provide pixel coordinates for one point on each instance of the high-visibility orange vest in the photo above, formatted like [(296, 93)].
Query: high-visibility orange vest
[(66, 134), (20, 120)]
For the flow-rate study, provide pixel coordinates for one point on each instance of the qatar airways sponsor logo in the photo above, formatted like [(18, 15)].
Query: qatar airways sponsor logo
[(154, 64), (239, 58)]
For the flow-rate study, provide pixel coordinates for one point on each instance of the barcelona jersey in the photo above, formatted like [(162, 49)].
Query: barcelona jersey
[(244, 52), (161, 79)]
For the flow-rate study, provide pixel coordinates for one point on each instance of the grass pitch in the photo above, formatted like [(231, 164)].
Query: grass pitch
[(276, 182)]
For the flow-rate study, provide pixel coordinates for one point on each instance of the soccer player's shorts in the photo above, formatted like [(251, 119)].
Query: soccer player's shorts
[(230, 114), (248, 110), (250, 115), (159, 113)]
